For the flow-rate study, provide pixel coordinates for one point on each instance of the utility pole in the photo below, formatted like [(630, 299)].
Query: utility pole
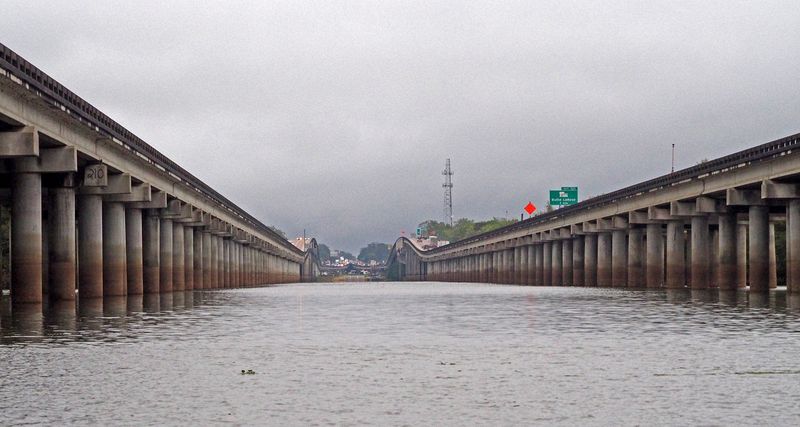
[(448, 193), (673, 158)]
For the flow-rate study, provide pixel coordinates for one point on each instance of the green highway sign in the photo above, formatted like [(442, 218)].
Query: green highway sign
[(564, 197)]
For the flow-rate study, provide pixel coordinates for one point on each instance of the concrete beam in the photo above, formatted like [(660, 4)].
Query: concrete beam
[(19, 142), (638, 217), (50, 160), (619, 222), (744, 197), (95, 175), (576, 229), (683, 209), (779, 190), (589, 227), (655, 213), (158, 200), (177, 210), (139, 193), (117, 184), (706, 204)]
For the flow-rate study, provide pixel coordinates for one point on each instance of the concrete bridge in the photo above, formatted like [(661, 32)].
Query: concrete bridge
[(707, 226), (95, 208)]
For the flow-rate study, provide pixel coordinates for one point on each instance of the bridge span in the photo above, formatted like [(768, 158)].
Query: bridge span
[(708, 226), (95, 208)]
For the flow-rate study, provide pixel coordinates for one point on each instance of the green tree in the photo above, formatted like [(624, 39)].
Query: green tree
[(374, 252), (324, 252), (463, 228)]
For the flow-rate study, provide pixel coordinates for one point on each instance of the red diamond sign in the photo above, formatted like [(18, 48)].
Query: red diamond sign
[(530, 208)]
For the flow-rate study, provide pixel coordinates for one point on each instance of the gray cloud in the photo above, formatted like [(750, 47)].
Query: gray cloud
[(337, 116)]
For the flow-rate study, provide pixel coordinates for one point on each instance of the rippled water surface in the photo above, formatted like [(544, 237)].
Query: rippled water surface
[(406, 354)]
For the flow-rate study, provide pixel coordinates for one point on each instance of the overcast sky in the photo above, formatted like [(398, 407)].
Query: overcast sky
[(337, 117)]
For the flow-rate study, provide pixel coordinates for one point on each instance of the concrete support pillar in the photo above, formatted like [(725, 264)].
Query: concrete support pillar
[(220, 263), (26, 238), (114, 253), (701, 253), (547, 264), (726, 254), (566, 262), (604, 259), (178, 258), (636, 258), (62, 248), (759, 248), (207, 249), (590, 260), (90, 246), (741, 255), (675, 255), (530, 275), (578, 262), (134, 247), (712, 257), (166, 255), (151, 251), (188, 258), (557, 260), (226, 244), (522, 277), (199, 249), (773, 258), (619, 258), (655, 256), (792, 246)]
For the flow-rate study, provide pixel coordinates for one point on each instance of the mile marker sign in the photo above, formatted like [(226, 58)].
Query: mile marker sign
[(530, 208)]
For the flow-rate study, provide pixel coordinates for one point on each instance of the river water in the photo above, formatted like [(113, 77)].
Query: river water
[(406, 354)]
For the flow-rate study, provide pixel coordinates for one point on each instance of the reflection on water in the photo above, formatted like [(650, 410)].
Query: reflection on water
[(405, 354)]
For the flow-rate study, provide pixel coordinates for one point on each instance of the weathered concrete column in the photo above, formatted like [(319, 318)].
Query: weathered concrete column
[(226, 243), (134, 246), (166, 256), (199, 258), (773, 258), (701, 253), (151, 251), (578, 262), (792, 246), (759, 248), (547, 263), (62, 249), (26, 238), (530, 275), (566, 262), (208, 282), (188, 258), (557, 259), (114, 252), (508, 262), (178, 272), (604, 259), (726, 255), (675, 255), (741, 255), (619, 258), (237, 282), (590, 260), (636, 258), (713, 256), (90, 246), (220, 263), (655, 256), (523, 266)]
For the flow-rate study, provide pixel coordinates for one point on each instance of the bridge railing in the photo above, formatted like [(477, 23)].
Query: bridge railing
[(59, 96), (742, 158)]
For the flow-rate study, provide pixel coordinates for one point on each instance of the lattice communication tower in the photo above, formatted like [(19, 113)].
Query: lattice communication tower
[(448, 193)]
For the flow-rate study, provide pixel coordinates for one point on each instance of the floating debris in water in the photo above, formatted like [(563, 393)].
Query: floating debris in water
[(248, 372)]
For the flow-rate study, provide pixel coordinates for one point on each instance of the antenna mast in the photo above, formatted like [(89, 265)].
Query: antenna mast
[(448, 193)]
